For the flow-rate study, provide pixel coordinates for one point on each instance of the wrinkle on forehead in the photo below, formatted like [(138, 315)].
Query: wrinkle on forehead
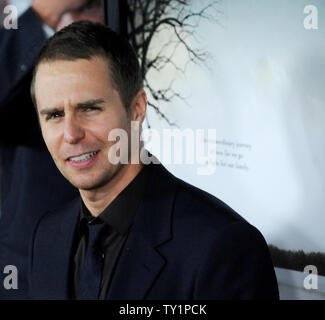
[(69, 82)]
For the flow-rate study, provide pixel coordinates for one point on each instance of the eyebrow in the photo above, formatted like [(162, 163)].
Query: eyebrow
[(84, 104), (90, 103)]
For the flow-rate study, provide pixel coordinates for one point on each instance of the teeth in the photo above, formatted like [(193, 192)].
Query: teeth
[(83, 157)]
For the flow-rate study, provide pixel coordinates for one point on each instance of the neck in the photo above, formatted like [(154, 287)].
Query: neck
[(97, 200)]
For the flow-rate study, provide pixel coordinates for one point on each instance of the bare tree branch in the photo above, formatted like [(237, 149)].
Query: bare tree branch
[(178, 18)]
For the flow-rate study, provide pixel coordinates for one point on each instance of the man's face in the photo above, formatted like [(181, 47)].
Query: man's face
[(78, 107)]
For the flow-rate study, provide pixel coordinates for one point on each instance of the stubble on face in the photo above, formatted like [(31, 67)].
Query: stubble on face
[(65, 84)]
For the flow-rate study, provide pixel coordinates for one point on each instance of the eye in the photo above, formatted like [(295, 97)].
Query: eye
[(54, 115), (92, 108)]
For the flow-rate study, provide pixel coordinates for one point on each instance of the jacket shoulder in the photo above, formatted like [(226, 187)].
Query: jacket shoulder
[(201, 218), (203, 208)]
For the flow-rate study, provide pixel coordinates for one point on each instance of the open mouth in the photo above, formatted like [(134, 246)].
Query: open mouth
[(83, 157)]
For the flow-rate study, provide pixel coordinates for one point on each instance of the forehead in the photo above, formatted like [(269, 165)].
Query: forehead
[(75, 80)]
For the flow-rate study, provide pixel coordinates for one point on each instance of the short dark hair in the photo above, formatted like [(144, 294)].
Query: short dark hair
[(85, 40)]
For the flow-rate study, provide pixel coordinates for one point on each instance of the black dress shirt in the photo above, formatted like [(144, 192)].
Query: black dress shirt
[(118, 218)]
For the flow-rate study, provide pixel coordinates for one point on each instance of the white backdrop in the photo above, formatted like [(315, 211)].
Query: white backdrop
[(265, 89)]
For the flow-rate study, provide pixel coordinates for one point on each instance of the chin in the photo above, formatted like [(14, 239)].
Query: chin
[(94, 183), (89, 185)]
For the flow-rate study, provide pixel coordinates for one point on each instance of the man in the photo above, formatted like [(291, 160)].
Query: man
[(29, 181), (137, 232)]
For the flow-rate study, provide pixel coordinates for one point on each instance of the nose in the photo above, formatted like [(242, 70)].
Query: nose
[(73, 131)]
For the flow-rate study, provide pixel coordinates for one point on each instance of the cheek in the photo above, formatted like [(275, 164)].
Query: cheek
[(108, 126)]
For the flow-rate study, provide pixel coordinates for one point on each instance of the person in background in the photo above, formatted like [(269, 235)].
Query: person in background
[(29, 181)]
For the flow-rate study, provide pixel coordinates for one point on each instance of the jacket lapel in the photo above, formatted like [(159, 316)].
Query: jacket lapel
[(140, 261), (54, 241)]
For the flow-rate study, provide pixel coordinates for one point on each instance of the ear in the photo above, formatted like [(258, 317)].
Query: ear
[(139, 107)]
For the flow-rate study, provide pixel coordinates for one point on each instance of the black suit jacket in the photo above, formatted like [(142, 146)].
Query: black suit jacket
[(30, 181), (184, 244)]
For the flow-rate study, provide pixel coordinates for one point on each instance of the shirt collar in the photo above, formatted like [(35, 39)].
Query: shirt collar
[(120, 213)]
